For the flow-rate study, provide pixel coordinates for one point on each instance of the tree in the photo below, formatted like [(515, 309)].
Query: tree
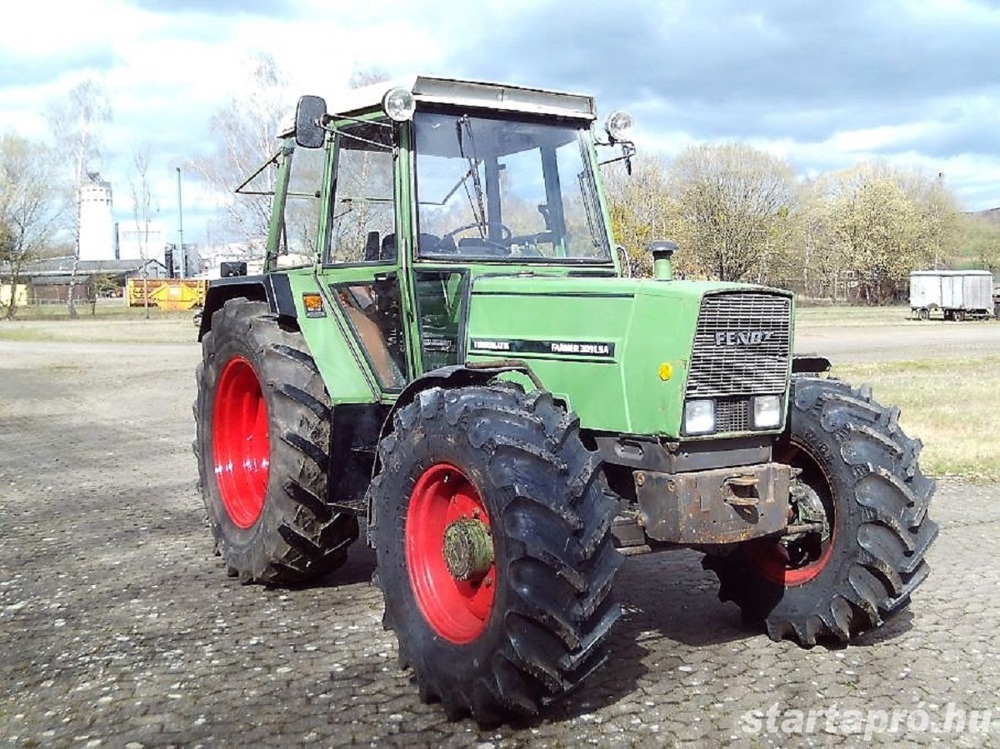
[(32, 207), (245, 129), (814, 269), (78, 119), (736, 206), (939, 217), (979, 241), (641, 209), (876, 228), (143, 209)]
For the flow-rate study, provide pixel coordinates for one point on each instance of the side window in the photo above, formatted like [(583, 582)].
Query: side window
[(372, 310), (363, 208), (298, 243)]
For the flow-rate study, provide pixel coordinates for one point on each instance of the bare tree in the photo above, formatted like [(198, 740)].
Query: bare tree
[(245, 129), (875, 227), (642, 210), (938, 211), (32, 207), (366, 77), (143, 210), (736, 205), (77, 120)]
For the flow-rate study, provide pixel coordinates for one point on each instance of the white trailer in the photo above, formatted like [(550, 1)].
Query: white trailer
[(956, 294)]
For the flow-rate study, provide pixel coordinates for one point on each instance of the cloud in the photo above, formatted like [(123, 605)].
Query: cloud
[(823, 85)]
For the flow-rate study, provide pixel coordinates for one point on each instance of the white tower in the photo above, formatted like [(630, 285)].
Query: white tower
[(96, 227)]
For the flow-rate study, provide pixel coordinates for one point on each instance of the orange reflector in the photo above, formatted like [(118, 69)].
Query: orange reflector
[(313, 304), (666, 371)]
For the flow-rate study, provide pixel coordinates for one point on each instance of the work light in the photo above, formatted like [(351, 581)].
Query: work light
[(618, 125), (398, 104)]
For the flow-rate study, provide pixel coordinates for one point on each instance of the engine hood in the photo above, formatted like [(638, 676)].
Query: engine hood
[(618, 351)]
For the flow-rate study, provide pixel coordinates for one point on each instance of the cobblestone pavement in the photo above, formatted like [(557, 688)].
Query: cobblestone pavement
[(119, 628)]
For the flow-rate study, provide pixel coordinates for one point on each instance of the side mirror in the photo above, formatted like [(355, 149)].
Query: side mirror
[(309, 114)]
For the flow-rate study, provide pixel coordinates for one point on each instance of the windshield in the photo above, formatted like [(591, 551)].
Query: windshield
[(490, 188)]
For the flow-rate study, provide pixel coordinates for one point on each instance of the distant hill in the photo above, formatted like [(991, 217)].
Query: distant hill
[(990, 214)]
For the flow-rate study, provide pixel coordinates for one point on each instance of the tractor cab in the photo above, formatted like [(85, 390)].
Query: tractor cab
[(400, 195)]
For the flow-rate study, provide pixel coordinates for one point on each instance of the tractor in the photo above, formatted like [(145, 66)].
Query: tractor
[(446, 350)]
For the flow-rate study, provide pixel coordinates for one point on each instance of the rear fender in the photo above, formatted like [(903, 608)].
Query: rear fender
[(272, 288)]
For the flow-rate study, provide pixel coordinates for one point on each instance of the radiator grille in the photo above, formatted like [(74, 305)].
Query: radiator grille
[(741, 347), (732, 415)]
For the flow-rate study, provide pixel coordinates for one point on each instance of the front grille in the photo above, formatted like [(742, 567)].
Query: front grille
[(741, 347), (732, 415)]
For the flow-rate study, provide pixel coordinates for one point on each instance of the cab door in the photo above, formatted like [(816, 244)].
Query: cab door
[(362, 259)]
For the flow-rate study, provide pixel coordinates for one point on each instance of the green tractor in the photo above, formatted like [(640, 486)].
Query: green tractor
[(445, 350)]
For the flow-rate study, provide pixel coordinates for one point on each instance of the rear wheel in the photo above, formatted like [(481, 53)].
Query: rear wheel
[(492, 534), (263, 435), (858, 522)]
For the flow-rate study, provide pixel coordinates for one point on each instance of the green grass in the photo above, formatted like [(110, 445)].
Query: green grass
[(112, 322), (950, 404), (846, 317), (114, 309)]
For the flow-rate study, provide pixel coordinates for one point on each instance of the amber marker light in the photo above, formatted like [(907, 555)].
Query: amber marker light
[(665, 371), (313, 304)]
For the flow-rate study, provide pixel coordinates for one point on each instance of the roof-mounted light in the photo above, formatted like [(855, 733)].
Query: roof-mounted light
[(398, 104), (618, 125)]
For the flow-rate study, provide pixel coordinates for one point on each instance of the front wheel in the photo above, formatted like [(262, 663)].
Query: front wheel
[(858, 526), (492, 535)]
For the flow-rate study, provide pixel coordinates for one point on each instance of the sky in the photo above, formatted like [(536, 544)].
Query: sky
[(824, 85)]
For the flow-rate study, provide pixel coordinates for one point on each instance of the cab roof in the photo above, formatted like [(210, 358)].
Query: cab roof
[(476, 94)]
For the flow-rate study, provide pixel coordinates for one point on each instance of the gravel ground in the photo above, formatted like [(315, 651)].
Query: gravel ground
[(902, 340), (119, 628)]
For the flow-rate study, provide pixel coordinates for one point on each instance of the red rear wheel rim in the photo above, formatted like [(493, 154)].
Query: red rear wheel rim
[(240, 444), (457, 610)]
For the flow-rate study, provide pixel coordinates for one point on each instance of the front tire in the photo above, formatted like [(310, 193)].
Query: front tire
[(492, 535), (263, 436), (862, 490)]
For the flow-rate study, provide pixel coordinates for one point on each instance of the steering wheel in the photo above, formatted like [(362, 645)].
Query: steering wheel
[(505, 235)]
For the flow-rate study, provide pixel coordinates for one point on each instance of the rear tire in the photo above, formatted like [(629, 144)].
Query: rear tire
[(529, 623), (263, 436), (860, 473)]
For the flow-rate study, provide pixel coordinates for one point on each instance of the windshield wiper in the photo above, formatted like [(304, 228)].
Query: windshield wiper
[(479, 201)]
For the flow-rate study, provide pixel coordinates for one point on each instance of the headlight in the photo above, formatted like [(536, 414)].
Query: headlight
[(699, 417), (398, 104), (766, 411)]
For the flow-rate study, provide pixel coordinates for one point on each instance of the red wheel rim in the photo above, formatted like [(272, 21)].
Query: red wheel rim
[(771, 559), (240, 445), (457, 610)]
